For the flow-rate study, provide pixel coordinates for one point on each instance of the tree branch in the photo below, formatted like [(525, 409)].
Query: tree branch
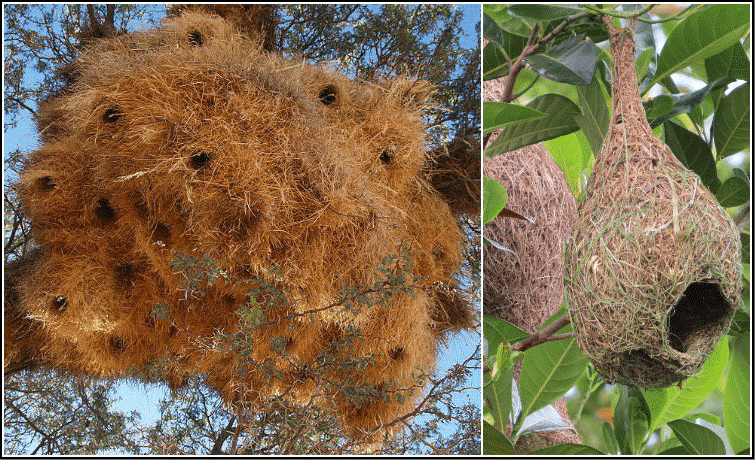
[(532, 48), (547, 334)]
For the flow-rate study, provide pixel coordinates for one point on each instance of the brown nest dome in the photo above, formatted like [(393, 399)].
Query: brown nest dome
[(524, 286), (203, 207), (653, 268)]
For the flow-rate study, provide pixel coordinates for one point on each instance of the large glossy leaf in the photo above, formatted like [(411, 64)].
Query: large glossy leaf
[(740, 324), (542, 12), (568, 449), (494, 63), (701, 35), (659, 111), (595, 116), (731, 122), (494, 199), (560, 121), (505, 20), (495, 330), (499, 114), (511, 43), (572, 154), (548, 371), (609, 438), (572, 61), (694, 154), (671, 403), (494, 442), (737, 407), (734, 191), (497, 385), (697, 439), (731, 62), (631, 419)]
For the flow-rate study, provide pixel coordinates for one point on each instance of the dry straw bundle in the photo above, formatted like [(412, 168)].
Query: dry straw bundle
[(525, 286), (653, 270), (196, 196)]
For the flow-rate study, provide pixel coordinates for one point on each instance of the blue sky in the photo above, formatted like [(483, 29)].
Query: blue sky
[(136, 396)]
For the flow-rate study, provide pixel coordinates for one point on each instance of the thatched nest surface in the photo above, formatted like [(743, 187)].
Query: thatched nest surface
[(653, 269), (196, 198), (526, 286)]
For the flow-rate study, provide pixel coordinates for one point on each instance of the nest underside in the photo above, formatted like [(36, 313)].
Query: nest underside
[(525, 287)]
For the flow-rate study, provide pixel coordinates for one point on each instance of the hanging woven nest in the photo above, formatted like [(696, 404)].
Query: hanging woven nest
[(525, 286), (653, 269)]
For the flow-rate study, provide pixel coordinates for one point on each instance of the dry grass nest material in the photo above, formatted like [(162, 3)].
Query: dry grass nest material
[(525, 286), (653, 268), (188, 150)]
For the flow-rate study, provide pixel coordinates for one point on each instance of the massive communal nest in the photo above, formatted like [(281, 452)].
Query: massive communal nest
[(654, 269), (202, 207), (526, 286)]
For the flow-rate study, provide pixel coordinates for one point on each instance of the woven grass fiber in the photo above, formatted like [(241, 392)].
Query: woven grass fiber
[(526, 286), (653, 268), (188, 150)]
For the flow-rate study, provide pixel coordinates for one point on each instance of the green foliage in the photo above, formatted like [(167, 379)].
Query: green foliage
[(706, 127), (196, 272), (559, 120), (493, 199)]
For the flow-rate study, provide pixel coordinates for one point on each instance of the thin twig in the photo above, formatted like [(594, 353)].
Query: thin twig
[(532, 48), (545, 335)]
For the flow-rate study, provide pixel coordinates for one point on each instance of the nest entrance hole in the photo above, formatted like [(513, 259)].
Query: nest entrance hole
[(701, 308), (46, 183), (104, 212)]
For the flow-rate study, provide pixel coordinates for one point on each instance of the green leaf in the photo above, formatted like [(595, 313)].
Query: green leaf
[(731, 62), (507, 22), (659, 107), (697, 439), (572, 61), (508, 44), (499, 114), (610, 439), (657, 110), (567, 449), (595, 116), (494, 63), (745, 238), (572, 154), (734, 192), (701, 35), (494, 199), (497, 386), (642, 63), (671, 403), (737, 395), (740, 324), (496, 330), (694, 154), (678, 450), (631, 419), (542, 12), (559, 121), (548, 371), (731, 122), (494, 442)]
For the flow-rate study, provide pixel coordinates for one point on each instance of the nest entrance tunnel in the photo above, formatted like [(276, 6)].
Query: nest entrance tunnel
[(701, 308)]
